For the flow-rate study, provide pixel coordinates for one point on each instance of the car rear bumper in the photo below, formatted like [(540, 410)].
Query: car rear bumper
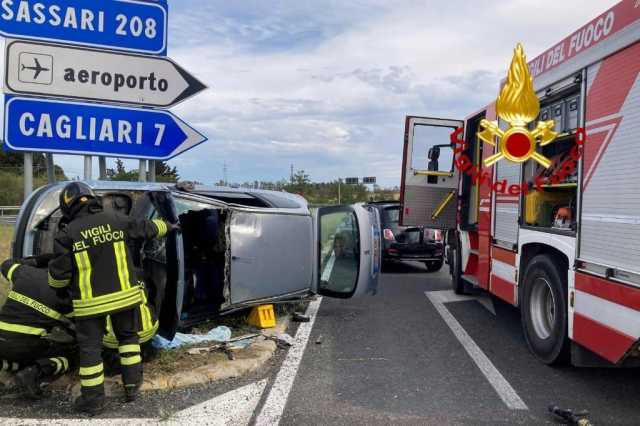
[(423, 257)]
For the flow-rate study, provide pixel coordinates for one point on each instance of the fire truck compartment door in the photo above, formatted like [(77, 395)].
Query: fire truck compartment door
[(429, 177)]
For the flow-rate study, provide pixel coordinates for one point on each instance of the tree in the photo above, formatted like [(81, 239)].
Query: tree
[(166, 173)]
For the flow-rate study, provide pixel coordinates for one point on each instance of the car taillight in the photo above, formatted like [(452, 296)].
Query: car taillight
[(437, 235), (388, 235)]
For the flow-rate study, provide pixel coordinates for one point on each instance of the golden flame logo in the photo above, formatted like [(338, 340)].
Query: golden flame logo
[(518, 105)]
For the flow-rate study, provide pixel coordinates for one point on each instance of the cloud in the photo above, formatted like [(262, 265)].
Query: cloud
[(325, 85)]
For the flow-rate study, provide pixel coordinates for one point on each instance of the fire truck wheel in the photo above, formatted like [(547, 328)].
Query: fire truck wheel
[(544, 310)]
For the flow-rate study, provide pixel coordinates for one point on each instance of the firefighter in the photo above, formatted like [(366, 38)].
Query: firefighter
[(93, 260), (32, 315)]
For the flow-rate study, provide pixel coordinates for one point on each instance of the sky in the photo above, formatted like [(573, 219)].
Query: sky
[(325, 85)]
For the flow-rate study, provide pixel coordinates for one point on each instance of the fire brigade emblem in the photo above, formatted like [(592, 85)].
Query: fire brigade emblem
[(518, 105)]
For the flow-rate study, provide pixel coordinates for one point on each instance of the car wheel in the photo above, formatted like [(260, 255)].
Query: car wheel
[(433, 265), (544, 310), (455, 264)]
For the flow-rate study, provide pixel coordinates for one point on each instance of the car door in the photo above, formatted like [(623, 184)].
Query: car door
[(347, 251), (429, 178)]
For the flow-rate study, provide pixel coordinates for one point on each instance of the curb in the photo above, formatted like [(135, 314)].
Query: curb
[(246, 361)]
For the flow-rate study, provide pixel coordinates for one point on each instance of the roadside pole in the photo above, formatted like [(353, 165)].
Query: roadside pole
[(102, 166), (88, 166), (142, 171), (339, 182), (152, 171), (51, 170), (28, 174)]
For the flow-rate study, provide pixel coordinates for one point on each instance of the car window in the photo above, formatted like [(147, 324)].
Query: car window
[(392, 215), (184, 205), (339, 251)]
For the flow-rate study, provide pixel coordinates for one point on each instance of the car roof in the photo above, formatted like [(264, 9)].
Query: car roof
[(384, 204), (276, 199)]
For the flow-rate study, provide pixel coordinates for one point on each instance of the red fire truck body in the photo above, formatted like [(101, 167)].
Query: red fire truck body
[(565, 251)]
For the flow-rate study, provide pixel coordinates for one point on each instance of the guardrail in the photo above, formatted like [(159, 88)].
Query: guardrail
[(9, 214)]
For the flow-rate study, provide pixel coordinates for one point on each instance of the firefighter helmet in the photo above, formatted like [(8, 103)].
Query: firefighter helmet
[(74, 194)]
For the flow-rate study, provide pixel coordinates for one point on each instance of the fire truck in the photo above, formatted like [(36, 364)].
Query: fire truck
[(561, 243)]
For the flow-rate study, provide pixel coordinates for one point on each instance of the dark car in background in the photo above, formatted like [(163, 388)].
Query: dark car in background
[(403, 243)]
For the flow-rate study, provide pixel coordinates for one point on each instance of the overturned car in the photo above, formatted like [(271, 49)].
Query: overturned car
[(238, 247)]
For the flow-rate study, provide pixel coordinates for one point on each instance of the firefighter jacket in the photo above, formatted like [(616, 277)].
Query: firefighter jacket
[(94, 260), (147, 319), (32, 307)]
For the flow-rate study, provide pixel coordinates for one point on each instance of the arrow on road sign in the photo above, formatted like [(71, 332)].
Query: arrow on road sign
[(80, 73), (136, 26), (40, 125)]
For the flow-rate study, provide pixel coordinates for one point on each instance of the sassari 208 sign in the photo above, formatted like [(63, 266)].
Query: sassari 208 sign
[(517, 105)]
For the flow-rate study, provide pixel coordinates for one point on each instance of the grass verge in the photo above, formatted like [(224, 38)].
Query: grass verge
[(6, 236)]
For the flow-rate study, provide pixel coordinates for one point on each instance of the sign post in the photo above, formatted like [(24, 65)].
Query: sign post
[(56, 52)]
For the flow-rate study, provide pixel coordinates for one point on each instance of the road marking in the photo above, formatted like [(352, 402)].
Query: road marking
[(235, 407), (273, 408), (232, 408), (495, 378)]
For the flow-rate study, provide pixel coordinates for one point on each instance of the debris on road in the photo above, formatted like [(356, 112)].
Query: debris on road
[(283, 340), (571, 418), (299, 317), (319, 340), (219, 334)]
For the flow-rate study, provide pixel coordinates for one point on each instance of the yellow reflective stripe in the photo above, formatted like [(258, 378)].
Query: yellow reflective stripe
[(34, 304), (129, 348), (130, 360), (11, 271), (88, 371), (58, 364), (104, 308), (121, 261), (84, 275), (110, 341), (65, 363), (24, 329), (15, 366), (5, 365), (162, 227), (57, 283), (92, 382), (105, 298), (145, 314)]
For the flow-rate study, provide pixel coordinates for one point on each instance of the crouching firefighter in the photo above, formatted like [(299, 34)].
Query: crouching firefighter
[(35, 333), (93, 259)]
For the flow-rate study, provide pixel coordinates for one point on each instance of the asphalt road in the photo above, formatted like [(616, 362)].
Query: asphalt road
[(393, 359), (389, 359)]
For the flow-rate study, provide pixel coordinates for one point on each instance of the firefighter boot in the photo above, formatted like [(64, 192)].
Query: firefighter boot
[(91, 404), (29, 380), (131, 392)]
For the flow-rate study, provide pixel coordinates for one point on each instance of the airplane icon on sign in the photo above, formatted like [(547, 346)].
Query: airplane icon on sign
[(37, 68)]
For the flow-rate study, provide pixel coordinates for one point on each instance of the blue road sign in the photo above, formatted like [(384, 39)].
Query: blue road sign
[(41, 125), (131, 25)]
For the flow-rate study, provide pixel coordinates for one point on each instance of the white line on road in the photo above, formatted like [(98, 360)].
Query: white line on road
[(235, 408), (495, 378), (273, 408)]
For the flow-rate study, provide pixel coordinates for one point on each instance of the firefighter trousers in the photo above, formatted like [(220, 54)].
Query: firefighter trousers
[(18, 351), (89, 333)]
